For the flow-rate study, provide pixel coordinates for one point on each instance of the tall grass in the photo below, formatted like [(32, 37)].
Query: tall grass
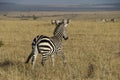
[(92, 51)]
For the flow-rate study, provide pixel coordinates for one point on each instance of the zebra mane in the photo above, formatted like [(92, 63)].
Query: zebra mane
[(59, 27)]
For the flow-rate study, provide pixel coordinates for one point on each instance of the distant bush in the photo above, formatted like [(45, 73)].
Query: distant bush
[(1, 43), (4, 14), (34, 17)]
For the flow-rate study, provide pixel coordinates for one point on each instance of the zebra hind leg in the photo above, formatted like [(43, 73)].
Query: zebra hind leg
[(34, 57), (63, 56), (52, 59), (29, 57), (44, 58), (34, 60)]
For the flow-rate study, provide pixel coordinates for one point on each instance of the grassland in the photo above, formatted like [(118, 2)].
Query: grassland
[(92, 51)]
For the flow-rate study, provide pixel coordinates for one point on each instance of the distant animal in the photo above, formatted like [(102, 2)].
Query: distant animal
[(104, 20), (49, 46), (113, 20)]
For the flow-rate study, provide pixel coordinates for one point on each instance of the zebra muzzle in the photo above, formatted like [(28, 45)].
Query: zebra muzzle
[(65, 38)]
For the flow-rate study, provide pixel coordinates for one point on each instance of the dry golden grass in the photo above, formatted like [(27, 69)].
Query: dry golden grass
[(92, 51)]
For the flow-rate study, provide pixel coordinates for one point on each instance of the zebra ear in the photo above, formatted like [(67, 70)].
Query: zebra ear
[(67, 21), (53, 21)]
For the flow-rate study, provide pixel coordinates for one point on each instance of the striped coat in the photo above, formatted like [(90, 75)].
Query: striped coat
[(49, 45)]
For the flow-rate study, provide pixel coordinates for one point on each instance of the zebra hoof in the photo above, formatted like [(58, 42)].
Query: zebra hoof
[(26, 62), (42, 63)]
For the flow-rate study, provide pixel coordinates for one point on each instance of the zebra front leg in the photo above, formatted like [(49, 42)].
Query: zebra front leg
[(63, 56), (44, 58), (29, 57), (52, 59)]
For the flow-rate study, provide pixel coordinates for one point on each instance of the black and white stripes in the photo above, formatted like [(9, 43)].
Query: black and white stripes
[(49, 45)]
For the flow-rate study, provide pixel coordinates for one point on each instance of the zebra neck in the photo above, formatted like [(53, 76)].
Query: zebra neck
[(58, 33), (58, 37)]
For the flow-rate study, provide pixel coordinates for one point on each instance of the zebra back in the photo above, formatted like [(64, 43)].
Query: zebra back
[(36, 40)]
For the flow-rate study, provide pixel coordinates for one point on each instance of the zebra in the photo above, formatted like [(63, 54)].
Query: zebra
[(113, 20), (104, 20), (49, 46)]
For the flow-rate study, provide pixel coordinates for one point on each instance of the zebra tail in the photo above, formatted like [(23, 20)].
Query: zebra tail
[(36, 40)]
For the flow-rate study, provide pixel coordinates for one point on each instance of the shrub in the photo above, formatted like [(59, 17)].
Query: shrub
[(1, 43), (34, 17)]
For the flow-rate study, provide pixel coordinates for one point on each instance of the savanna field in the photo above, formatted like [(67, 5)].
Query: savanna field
[(92, 50)]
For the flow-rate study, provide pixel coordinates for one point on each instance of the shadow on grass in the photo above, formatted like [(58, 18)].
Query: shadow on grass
[(6, 63)]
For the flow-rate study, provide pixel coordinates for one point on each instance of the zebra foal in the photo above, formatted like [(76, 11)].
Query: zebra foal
[(49, 45)]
